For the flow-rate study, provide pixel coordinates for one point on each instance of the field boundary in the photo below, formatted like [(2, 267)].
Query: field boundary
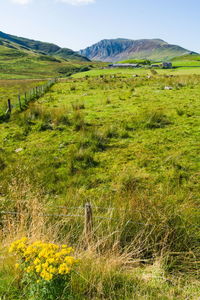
[(88, 210), (24, 99)]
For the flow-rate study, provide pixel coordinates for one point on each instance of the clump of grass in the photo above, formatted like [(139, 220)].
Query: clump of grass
[(116, 132), (2, 163), (44, 125), (60, 116), (108, 101), (73, 88), (77, 106), (180, 111), (153, 72), (157, 119), (81, 159), (111, 132), (36, 112), (123, 133), (180, 85), (44, 118), (94, 141), (27, 202), (131, 180), (78, 121), (85, 157)]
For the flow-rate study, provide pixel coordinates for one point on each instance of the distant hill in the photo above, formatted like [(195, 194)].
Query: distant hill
[(115, 50), (24, 58), (39, 47)]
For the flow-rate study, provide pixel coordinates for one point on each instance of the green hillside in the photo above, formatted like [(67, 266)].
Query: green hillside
[(41, 47), (164, 52), (19, 62), (135, 61), (24, 58), (189, 60)]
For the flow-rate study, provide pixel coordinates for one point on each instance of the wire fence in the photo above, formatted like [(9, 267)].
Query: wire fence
[(23, 100), (88, 228), (108, 210)]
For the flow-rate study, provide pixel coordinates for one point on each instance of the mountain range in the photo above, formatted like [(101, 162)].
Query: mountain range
[(114, 50), (26, 58)]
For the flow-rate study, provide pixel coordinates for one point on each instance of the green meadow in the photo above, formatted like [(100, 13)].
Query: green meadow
[(127, 144), (142, 71)]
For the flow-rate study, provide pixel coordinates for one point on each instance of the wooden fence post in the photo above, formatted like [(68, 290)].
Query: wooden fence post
[(20, 104), (88, 228), (9, 106)]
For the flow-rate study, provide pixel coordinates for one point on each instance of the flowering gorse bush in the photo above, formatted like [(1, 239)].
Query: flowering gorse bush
[(46, 267)]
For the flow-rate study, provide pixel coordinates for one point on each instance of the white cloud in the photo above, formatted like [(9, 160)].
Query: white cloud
[(21, 2), (72, 2), (77, 2)]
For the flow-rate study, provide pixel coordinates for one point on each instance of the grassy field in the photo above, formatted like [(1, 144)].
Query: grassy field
[(130, 148), (142, 72)]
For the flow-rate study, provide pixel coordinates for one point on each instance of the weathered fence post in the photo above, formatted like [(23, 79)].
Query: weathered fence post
[(88, 228), (9, 106), (20, 104)]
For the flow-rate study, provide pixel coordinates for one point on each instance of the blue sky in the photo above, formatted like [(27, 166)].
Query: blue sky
[(79, 23)]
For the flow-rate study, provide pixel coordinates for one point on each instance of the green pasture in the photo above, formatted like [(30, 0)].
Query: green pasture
[(124, 143), (141, 71)]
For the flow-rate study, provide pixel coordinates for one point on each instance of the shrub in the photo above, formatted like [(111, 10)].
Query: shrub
[(180, 111), (45, 267), (4, 117)]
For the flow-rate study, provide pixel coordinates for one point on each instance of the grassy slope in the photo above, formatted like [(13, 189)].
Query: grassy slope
[(162, 53), (135, 61), (187, 61), (132, 164), (40, 47), (16, 64)]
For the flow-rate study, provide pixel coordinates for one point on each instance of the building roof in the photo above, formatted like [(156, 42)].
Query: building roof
[(124, 65)]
